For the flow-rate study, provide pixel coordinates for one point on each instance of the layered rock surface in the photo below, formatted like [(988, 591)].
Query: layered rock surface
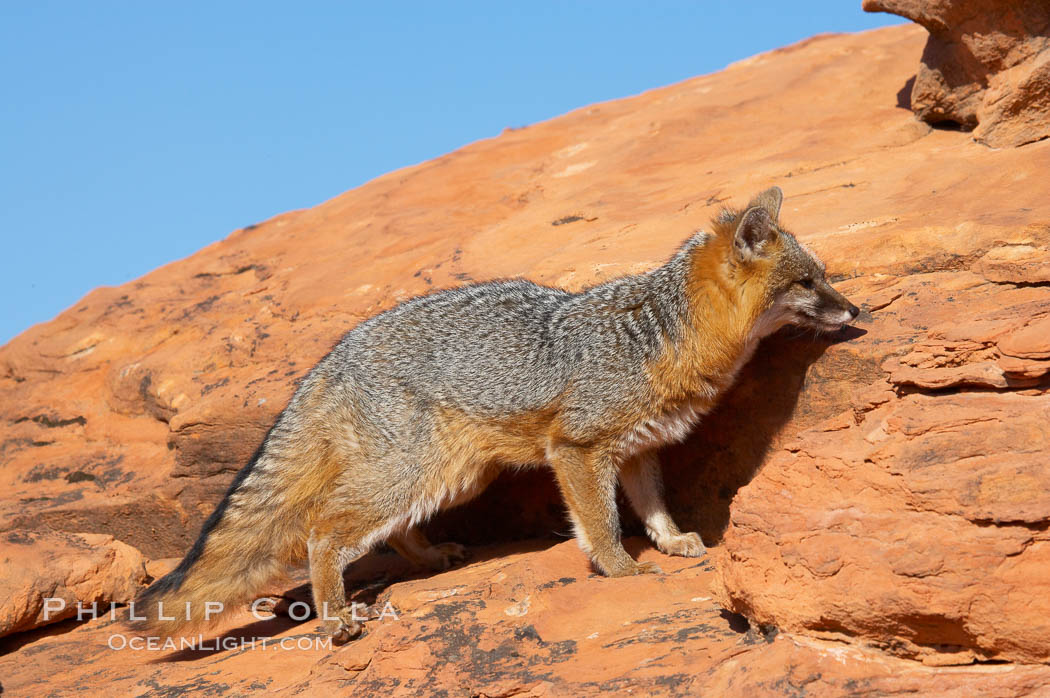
[(519, 620), (877, 501)]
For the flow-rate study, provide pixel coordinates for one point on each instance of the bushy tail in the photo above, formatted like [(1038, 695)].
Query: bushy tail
[(247, 542)]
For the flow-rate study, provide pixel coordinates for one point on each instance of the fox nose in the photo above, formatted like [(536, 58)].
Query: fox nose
[(853, 311)]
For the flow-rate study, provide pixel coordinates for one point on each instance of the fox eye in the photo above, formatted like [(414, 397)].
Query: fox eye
[(806, 284)]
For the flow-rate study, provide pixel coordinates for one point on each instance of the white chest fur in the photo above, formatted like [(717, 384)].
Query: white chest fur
[(676, 423), (670, 427)]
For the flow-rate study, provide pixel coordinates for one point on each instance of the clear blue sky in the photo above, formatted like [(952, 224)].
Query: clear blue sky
[(133, 133)]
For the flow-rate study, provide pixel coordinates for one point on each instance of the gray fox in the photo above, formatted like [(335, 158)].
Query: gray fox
[(419, 408)]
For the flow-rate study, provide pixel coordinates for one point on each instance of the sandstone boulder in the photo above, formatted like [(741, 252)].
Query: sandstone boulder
[(986, 66), (84, 573)]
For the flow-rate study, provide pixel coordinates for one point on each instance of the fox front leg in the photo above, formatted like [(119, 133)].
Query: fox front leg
[(587, 478), (643, 482)]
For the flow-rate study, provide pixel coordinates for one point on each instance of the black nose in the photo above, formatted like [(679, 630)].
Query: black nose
[(854, 311)]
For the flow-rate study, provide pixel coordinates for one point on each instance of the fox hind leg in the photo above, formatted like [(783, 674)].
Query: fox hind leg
[(413, 545), (331, 550)]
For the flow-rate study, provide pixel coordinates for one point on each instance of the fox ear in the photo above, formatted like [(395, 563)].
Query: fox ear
[(770, 200), (756, 228)]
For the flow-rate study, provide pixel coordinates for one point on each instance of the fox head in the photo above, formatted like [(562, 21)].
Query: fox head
[(795, 288)]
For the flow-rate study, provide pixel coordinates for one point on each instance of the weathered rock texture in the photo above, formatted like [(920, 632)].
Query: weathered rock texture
[(521, 620), (77, 571), (986, 66), (877, 501)]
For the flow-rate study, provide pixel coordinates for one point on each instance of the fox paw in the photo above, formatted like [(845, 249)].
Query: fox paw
[(444, 555), (647, 568), (344, 627), (282, 605), (684, 544), (633, 568)]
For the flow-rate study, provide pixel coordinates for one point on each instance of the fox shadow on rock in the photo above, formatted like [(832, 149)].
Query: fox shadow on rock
[(729, 445), (701, 475)]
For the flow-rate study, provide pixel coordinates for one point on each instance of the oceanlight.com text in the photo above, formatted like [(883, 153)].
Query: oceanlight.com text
[(302, 643)]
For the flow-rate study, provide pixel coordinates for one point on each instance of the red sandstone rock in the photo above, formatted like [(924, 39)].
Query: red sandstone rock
[(79, 572), (529, 620), (879, 497), (1018, 264), (967, 348), (793, 666), (918, 527), (986, 66), (1030, 342)]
